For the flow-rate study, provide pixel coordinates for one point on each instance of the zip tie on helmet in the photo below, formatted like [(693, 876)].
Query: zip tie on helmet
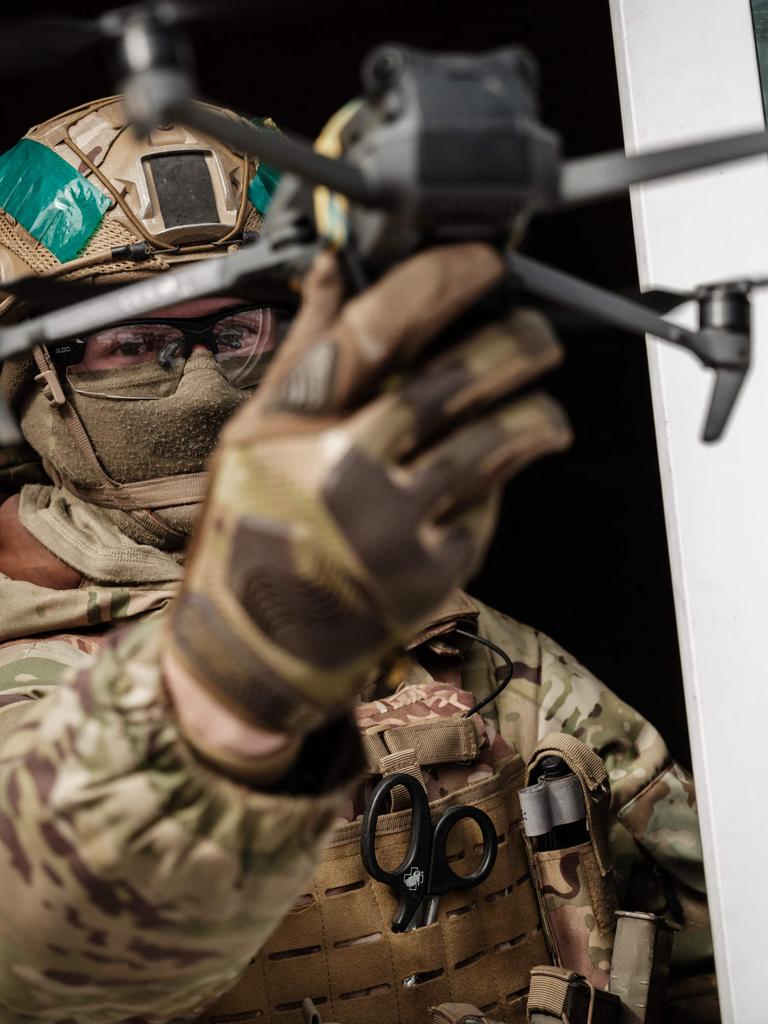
[(136, 252)]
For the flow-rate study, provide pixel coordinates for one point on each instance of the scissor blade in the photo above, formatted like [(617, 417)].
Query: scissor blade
[(429, 914), (417, 920)]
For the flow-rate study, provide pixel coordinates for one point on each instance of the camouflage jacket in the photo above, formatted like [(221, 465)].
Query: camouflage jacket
[(139, 882)]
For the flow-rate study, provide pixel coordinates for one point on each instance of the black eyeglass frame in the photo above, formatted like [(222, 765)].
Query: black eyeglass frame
[(195, 331)]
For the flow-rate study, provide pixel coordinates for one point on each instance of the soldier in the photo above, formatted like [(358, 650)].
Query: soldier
[(167, 787)]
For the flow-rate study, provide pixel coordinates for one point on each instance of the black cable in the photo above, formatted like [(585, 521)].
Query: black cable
[(505, 681)]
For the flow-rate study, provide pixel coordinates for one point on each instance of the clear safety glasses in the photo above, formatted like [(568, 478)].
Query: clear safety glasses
[(145, 358)]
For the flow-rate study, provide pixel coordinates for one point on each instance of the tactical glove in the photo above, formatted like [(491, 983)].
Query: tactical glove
[(358, 486)]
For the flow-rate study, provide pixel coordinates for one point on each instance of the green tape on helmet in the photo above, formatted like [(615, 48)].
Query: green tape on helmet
[(262, 187), (263, 184), (47, 196)]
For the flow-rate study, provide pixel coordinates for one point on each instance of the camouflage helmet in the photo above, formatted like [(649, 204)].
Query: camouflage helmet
[(84, 197)]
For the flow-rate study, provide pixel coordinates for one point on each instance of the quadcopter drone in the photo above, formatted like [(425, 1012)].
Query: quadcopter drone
[(440, 148)]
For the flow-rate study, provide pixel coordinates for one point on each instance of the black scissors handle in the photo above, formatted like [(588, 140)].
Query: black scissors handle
[(424, 871), (409, 878), (443, 877)]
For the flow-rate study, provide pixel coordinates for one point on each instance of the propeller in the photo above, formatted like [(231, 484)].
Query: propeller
[(51, 40), (664, 299)]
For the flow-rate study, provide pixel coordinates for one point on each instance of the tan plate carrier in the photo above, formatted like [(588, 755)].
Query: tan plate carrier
[(337, 947)]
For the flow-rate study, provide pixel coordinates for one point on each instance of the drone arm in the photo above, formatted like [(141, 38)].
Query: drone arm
[(572, 293), (274, 148), (207, 277), (726, 351), (610, 174)]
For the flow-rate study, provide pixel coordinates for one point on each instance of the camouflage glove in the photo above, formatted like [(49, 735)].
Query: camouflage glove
[(346, 503)]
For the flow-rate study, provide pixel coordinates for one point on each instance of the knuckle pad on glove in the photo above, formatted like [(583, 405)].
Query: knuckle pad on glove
[(468, 535), (534, 426), (474, 527), (495, 361), (488, 452), (381, 523)]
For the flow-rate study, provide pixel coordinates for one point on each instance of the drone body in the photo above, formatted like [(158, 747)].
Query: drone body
[(453, 145)]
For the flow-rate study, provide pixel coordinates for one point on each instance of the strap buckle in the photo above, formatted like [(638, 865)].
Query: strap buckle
[(51, 387)]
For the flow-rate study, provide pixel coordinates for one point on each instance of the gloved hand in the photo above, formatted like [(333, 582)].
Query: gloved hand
[(345, 502)]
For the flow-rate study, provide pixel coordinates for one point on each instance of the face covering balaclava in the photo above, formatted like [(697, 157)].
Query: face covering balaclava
[(84, 197), (134, 441)]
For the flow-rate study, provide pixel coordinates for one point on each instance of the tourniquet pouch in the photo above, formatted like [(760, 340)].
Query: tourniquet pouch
[(575, 886), (337, 947)]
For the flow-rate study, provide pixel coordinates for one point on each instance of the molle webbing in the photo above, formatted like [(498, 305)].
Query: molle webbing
[(409, 747), (436, 741), (337, 947)]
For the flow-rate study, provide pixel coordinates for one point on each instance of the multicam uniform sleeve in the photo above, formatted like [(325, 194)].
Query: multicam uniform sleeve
[(655, 833), (137, 882)]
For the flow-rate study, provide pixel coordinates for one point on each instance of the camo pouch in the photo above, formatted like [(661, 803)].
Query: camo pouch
[(575, 886)]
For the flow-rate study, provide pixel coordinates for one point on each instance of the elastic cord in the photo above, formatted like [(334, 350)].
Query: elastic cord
[(109, 188), (237, 228), (507, 663)]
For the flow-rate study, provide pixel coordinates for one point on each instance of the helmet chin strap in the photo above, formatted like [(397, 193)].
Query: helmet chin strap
[(139, 499)]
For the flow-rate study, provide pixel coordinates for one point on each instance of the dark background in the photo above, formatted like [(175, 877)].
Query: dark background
[(581, 550)]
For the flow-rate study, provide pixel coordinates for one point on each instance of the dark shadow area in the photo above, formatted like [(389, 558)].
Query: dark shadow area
[(581, 550)]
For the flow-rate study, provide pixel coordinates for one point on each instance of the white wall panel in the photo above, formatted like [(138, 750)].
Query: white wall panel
[(687, 70)]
